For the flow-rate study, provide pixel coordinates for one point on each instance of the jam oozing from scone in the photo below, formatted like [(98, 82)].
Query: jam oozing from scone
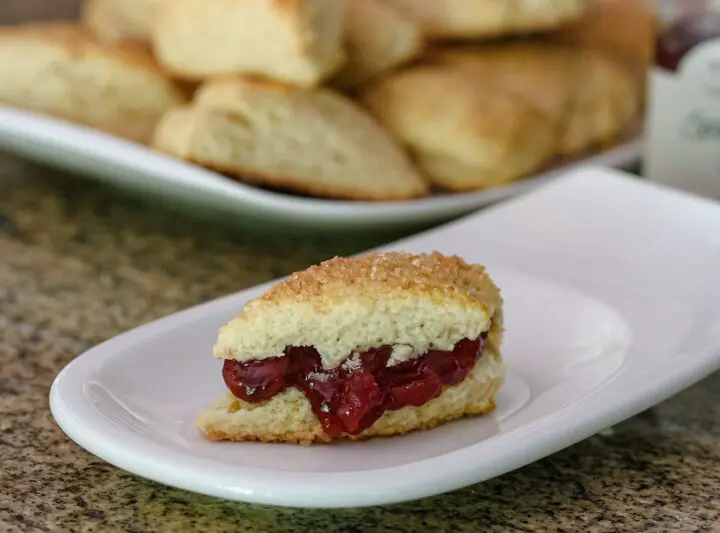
[(351, 397)]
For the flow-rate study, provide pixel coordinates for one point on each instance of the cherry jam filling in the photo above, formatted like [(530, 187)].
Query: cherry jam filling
[(351, 397)]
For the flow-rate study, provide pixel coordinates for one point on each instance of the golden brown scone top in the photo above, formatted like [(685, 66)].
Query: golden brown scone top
[(385, 272)]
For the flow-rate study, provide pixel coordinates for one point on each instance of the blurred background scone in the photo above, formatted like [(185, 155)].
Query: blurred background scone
[(298, 42), (464, 133), (60, 70), (378, 37), (622, 30), (312, 141), (589, 98), (472, 19), (119, 20)]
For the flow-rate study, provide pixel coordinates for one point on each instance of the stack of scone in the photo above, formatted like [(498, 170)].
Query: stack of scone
[(353, 99)]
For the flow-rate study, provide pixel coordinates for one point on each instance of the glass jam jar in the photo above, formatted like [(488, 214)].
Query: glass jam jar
[(682, 128)]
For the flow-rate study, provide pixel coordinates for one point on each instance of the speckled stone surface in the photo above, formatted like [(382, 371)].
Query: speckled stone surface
[(79, 264)]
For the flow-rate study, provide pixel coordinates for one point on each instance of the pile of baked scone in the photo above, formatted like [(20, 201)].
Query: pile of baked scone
[(353, 99)]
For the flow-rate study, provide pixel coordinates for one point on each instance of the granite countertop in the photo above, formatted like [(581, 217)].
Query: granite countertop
[(80, 263)]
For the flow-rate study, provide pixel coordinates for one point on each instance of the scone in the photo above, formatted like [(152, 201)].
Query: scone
[(120, 20), (299, 42), (536, 73), (464, 132), (631, 41), (382, 344), (605, 103), (310, 141), (378, 37), (590, 98), (489, 18), (59, 69)]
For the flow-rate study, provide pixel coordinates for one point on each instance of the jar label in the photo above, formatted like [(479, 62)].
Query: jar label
[(683, 123)]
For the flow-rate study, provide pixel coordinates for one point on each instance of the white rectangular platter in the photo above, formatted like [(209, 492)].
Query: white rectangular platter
[(612, 304)]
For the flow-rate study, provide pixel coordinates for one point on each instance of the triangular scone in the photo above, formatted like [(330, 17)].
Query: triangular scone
[(378, 37), (465, 133), (489, 18), (631, 41), (299, 42), (120, 20), (514, 108), (381, 344), (589, 97), (605, 102), (311, 141), (539, 74), (59, 69)]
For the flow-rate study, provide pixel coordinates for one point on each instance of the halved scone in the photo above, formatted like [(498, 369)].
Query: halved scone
[(382, 344)]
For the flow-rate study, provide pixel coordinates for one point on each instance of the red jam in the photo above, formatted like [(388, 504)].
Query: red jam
[(350, 398), (683, 35)]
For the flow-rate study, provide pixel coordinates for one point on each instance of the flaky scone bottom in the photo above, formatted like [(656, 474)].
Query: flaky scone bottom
[(288, 416)]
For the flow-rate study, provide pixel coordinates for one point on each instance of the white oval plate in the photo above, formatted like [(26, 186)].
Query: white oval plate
[(135, 167), (612, 305)]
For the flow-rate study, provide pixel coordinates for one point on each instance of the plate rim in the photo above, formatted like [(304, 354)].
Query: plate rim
[(17, 126)]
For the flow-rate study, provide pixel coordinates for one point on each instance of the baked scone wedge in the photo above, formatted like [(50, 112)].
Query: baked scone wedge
[(312, 141), (378, 37), (299, 42), (536, 73), (631, 41), (589, 97), (472, 19), (59, 69), (381, 344), (464, 132), (605, 104), (120, 20)]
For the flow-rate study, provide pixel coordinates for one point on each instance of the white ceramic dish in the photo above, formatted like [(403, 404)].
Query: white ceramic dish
[(612, 305), (137, 168)]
